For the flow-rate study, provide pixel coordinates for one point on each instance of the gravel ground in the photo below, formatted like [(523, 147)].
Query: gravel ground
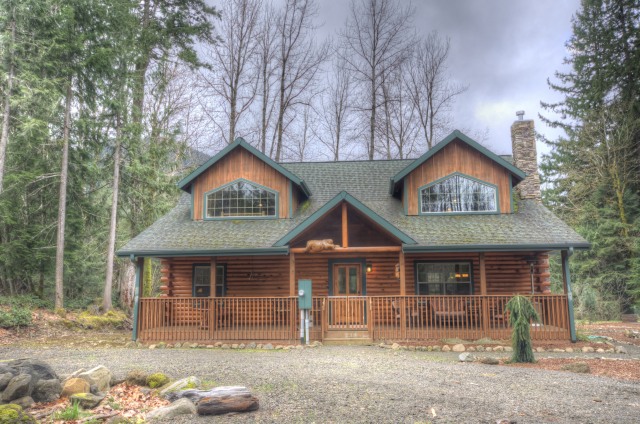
[(344, 384)]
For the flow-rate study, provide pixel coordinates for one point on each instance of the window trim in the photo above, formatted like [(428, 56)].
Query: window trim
[(205, 217), (450, 261), (193, 274), (459, 174)]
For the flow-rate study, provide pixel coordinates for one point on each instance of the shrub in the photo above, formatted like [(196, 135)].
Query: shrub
[(112, 318), (157, 380), (13, 414), (521, 313), (25, 301), (17, 316)]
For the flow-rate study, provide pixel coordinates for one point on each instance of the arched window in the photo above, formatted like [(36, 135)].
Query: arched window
[(241, 199), (458, 193)]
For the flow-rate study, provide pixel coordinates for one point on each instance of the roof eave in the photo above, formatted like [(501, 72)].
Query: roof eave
[(205, 252), (496, 247)]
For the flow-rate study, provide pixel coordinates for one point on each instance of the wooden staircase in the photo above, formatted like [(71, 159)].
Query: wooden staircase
[(347, 337)]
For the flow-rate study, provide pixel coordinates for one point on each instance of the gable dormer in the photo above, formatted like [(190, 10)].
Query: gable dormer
[(240, 182), (457, 176)]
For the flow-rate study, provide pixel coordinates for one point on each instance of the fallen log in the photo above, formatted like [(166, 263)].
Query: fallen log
[(223, 400)]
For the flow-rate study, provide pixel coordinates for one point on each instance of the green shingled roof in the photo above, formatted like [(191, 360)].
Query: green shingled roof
[(532, 227)]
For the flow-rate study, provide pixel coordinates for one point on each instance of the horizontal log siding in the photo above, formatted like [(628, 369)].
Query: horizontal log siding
[(381, 280), (240, 164), (458, 157), (507, 273)]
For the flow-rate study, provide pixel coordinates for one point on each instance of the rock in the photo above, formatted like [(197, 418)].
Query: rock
[(395, 346), (471, 349), (259, 346), (508, 349), (19, 386), (177, 345), (218, 344), (193, 345), (35, 368), (136, 378), (480, 349), (75, 385), (558, 350), (228, 399), (465, 357), (162, 345), (446, 348), (225, 346), (600, 350), (300, 347), (241, 346), (436, 348), (569, 350), (46, 390), (498, 349), (488, 349), (152, 347), (234, 346), (279, 347), (317, 343), (210, 346), (539, 349), (251, 345), (130, 344), (588, 349), (268, 346), (177, 408), (100, 376), (5, 379), (185, 383), (24, 402), (86, 400), (458, 348), (621, 349), (579, 367), (13, 414), (487, 360)]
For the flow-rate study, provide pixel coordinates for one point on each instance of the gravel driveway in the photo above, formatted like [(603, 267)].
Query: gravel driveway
[(343, 384)]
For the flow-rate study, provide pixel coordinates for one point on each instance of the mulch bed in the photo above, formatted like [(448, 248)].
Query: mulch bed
[(623, 369), (615, 330)]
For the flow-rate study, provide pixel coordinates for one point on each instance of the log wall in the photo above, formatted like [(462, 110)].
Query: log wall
[(458, 157)]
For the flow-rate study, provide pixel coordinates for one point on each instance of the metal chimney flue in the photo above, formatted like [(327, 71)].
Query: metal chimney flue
[(520, 115)]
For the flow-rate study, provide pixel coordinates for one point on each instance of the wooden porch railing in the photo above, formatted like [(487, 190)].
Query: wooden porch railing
[(398, 318)]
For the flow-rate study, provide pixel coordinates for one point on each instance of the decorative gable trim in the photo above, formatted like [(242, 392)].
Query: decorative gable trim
[(185, 183), (359, 206), (455, 135)]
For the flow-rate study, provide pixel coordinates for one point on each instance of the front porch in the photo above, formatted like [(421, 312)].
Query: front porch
[(367, 318)]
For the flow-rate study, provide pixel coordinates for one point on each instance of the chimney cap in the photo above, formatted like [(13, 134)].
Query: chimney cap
[(520, 115)]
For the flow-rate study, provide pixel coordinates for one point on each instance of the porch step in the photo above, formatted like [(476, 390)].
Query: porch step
[(351, 337)]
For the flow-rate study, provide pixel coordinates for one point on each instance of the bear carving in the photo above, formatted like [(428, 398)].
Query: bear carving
[(315, 246)]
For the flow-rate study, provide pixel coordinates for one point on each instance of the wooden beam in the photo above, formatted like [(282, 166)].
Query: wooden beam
[(374, 249), (403, 282), (345, 229), (292, 273), (212, 279), (483, 275)]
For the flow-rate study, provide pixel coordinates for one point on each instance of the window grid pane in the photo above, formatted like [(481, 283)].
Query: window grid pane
[(241, 199), (447, 278), (458, 194)]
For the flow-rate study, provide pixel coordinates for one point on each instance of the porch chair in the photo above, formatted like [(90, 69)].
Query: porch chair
[(444, 309), (412, 314)]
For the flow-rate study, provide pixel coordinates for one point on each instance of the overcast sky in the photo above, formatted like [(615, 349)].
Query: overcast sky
[(504, 49)]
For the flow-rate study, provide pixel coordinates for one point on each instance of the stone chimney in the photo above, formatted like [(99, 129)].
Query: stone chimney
[(525, 157)]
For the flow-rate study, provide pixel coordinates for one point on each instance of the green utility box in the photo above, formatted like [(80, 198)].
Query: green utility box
[(304, 294)]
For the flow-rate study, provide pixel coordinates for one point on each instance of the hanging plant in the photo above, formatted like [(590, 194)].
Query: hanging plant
[(521, 314)]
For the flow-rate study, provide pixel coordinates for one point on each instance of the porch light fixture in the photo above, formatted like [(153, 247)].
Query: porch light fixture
[(369, 267)]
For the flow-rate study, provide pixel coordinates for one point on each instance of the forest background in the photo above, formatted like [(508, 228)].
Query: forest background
[(106, 103)]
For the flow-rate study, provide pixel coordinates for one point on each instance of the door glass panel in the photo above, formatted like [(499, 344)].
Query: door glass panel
[(342, 283), (353, 280)]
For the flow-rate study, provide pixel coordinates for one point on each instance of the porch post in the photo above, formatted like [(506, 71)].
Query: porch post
[(292, 274), (211, 309), (483, 293), (212, 278), (566, 279), (403, 282), (137, 292)]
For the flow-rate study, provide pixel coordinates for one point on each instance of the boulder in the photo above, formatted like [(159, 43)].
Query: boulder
[(458, 348), (5, 378), (46, 390), (35, 368), (251, 345), (75, 385), (621, 349), (100, 376), (268, 346), (182, 384), (180, 407), (395, 346), (487, 360), (13, 414), (446, 348), (466, 357), (86, 400), (588, 349), (19, 386), (24, 402)]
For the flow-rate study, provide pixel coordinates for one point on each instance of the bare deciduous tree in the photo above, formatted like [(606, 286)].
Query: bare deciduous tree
[(432, 92), (232, 78), (298, 61), (266, 71), (377, 38)]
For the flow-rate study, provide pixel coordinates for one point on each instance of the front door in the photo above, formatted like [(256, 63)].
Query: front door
[(348, 304)]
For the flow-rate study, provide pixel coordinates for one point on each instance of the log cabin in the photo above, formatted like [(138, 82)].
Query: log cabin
[(395, 250)]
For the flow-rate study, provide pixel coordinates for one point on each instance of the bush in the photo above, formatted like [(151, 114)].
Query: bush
[(25, 301), (17, 316), (521, 313), (157, 380), (111, 319)]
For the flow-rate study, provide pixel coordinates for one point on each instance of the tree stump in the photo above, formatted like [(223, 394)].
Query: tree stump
[(223, 400)]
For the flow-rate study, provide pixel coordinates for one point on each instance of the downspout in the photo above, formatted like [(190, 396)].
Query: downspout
[(567, 275), (136, 298)]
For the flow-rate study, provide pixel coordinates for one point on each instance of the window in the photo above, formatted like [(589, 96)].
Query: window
[(241, 199), (202, 280), (443, 278), (458, 194)]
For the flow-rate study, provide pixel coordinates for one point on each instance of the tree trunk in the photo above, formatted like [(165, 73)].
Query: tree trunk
[(108, 284), (372, 123), (4, 138), (62, 200), (223, 400)]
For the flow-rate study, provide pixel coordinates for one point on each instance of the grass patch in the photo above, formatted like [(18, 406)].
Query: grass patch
[(110, 319), (71, 412)]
